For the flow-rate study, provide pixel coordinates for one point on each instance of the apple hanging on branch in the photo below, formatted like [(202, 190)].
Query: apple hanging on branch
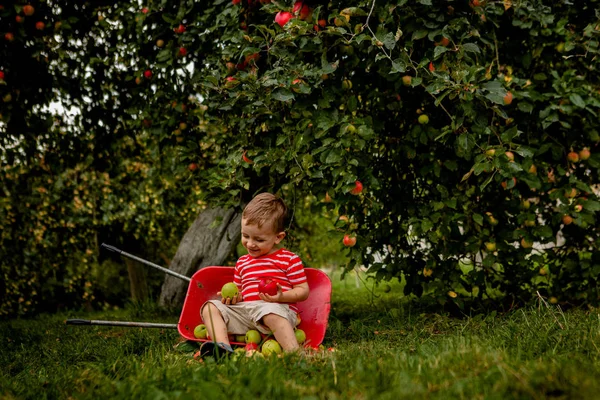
[(349, 241), (357, 189), (283, 17)]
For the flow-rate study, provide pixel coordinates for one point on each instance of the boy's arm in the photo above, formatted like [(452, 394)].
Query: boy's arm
[(296, 294)]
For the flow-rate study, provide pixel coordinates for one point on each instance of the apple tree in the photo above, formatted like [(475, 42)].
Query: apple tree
[(458, 139)]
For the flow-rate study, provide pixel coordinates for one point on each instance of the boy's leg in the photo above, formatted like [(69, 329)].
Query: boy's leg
[(283, 331), (215, 325)]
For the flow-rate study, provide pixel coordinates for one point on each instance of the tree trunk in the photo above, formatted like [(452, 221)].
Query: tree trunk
[(209, 241), (137, 280)]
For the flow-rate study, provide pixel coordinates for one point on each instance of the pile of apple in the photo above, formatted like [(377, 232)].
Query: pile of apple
[(253, 340)]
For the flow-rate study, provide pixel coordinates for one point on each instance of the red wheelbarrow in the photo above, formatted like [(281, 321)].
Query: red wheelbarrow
[(204, 285)]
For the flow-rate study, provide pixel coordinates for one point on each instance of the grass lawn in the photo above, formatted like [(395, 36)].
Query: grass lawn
[(385, 349)]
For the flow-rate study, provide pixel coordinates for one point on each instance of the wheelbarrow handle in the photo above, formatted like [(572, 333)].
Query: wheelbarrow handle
[(119, 323), (136, 258)]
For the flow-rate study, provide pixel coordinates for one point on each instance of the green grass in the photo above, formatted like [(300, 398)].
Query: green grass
[(386, 348)]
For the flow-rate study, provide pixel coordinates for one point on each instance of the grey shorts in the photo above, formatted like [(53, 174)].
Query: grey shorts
[(247, 315)]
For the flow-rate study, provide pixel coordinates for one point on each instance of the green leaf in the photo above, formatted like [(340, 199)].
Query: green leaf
[(577, 100), (333, 157), (282, 94), (398, 66), (389, 41), (510, 134), (471, 47), (478, 218), (426, 225), (439, 50), (590, 205), (420, 34)]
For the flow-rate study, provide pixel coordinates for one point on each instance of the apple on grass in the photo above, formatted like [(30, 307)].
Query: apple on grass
[(251, 346), (271, 347), (229, 290)]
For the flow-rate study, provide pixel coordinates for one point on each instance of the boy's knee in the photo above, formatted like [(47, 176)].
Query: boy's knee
[(209, 310), (273, 319)]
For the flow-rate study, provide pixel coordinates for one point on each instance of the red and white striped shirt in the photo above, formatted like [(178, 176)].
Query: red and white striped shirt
[(281, 265)]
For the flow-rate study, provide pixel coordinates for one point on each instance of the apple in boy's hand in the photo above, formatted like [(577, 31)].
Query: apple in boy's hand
[(271, 347), (200, 332), (253, 336), (267, 286), (300, 336), (229, 291)]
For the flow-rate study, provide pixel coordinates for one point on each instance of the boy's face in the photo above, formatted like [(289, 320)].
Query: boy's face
[(260, 241)]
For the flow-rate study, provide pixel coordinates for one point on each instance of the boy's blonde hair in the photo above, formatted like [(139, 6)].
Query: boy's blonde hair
[(266, 208)]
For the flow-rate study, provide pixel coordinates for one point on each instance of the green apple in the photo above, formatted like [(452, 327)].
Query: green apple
[(229, 290), (271, 347), (300, 336), (253, 336), (200, 332), (240, 338), (423, 119)]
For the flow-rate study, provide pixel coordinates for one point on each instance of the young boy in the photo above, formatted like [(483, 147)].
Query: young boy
[(263, 228)]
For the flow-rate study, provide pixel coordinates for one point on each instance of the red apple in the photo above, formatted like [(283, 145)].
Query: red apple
[(40, 26), (148, 74), (1, 75), (406, 80), (283, 18), (510, 156), (573, 157), (193, 166), (567, 219), (235, 2), (251, 346), (145, 10), (305, 12), (358, 188), (182, 51), (584, 154), (19, 19), (508, 98), (180, 29), (28, 10), (297, 6), (578, 207), (431, 67), (251, 57), (349, 241), (245, 158), (268, 286), (9, 37)]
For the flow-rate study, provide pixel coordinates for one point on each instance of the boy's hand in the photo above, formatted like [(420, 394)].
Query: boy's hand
[(277, 298), (229, 300)]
